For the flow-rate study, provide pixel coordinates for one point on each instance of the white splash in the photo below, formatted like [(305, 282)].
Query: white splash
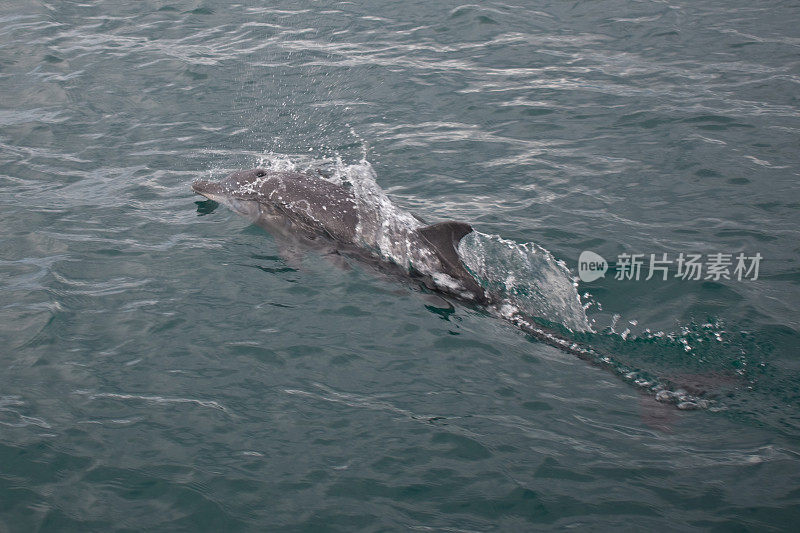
[(527, 276)]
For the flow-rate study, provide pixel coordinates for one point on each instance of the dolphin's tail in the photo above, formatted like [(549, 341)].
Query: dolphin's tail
[(683, 394)]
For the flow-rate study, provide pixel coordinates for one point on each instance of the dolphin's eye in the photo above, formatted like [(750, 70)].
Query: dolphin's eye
[(261, 173)]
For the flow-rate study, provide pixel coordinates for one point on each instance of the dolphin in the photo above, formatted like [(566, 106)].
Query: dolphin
[(297, 205)]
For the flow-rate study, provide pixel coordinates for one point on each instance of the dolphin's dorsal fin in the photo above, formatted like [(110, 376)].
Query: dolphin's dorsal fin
[(444, 238)]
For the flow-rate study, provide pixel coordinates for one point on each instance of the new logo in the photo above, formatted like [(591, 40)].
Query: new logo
[(591, 266)]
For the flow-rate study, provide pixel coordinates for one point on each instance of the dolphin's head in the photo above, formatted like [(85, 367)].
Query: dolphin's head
[(239, 184), (238, 191), (246, 179)]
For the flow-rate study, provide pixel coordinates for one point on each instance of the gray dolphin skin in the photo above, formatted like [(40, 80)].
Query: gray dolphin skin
[(297, 205)]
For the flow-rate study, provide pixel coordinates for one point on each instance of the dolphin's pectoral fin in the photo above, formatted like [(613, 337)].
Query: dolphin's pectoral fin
[(437, 301), (337, 260), (444, 238), (291, 255)]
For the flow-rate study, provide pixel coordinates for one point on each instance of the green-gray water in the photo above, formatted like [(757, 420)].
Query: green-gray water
[(166, 367)]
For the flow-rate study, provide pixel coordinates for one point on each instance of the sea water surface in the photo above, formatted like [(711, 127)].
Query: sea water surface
[(164, 365)]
